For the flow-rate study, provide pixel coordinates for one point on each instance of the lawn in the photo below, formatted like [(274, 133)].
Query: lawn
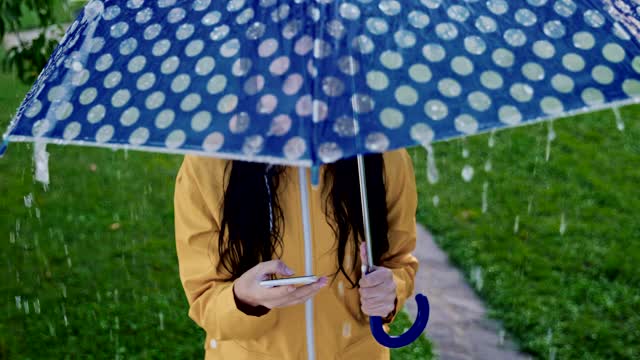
[(555, 252), (63, 12), (88, 265)]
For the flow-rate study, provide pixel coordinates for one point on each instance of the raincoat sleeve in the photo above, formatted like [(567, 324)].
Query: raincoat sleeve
[(198, 192), (402, 201)]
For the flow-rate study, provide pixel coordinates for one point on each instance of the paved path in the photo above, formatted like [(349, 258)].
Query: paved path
[(458, 324)]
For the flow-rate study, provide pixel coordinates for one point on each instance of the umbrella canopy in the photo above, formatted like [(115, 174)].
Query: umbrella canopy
[(310, 82)]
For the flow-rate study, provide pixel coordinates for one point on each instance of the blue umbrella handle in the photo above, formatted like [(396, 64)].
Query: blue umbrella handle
[(386, 340)]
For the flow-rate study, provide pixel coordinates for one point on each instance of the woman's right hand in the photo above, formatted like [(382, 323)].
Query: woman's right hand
[(248, 290)]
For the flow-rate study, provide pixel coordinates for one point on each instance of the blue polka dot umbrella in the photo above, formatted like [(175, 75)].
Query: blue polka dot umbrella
[(310, 82)]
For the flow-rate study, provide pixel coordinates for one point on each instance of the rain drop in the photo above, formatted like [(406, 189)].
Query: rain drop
[(619, 122), (467, 173), (346, 330), (341, 289), (488, 166), (492, 138), (432, 170), (436, 200), (28, 201), (563, 224), (551, 135), (476, 277), (485, 189), (36, 306), (516, 224), (64, 315)]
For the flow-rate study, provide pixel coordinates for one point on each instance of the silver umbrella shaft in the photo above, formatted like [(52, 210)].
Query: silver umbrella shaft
[(308, 264), (365, 209)]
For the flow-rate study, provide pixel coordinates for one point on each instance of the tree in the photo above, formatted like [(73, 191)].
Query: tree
[(28, 59)]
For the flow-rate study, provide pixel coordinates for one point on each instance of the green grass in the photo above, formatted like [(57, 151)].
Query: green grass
[(64, 11), (571, 296), (93, 258), (113, 283), (421, 349)]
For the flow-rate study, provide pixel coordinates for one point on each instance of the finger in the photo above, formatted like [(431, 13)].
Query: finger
[(368, 310), (278, 292), (378, 277), (364, 260), (363, 256), (376, 303), (381, 308), (302, 300), (373, 297), (277, 267), (300, 297), (376, 296), (283, 294), (382, 311), (306, 290)]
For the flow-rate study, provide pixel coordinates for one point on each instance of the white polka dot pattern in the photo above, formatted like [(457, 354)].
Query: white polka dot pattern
[(299, 81)]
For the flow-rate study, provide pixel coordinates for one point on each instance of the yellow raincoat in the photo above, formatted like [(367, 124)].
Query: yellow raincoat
[(341, 329)]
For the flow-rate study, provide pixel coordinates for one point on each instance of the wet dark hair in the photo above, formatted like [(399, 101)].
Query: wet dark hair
[(252, 221)]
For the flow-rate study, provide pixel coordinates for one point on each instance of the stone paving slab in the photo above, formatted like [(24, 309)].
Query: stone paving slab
[(458, 323)]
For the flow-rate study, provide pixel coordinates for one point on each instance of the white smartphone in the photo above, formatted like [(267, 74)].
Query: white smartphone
[(299, 280)]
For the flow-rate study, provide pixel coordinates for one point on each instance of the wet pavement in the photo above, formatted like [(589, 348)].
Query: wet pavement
[(458, 323)]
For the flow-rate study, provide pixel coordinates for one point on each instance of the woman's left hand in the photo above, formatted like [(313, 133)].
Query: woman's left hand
[(377, 289)]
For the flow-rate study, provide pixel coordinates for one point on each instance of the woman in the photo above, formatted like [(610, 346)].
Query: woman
[(239, 223)]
